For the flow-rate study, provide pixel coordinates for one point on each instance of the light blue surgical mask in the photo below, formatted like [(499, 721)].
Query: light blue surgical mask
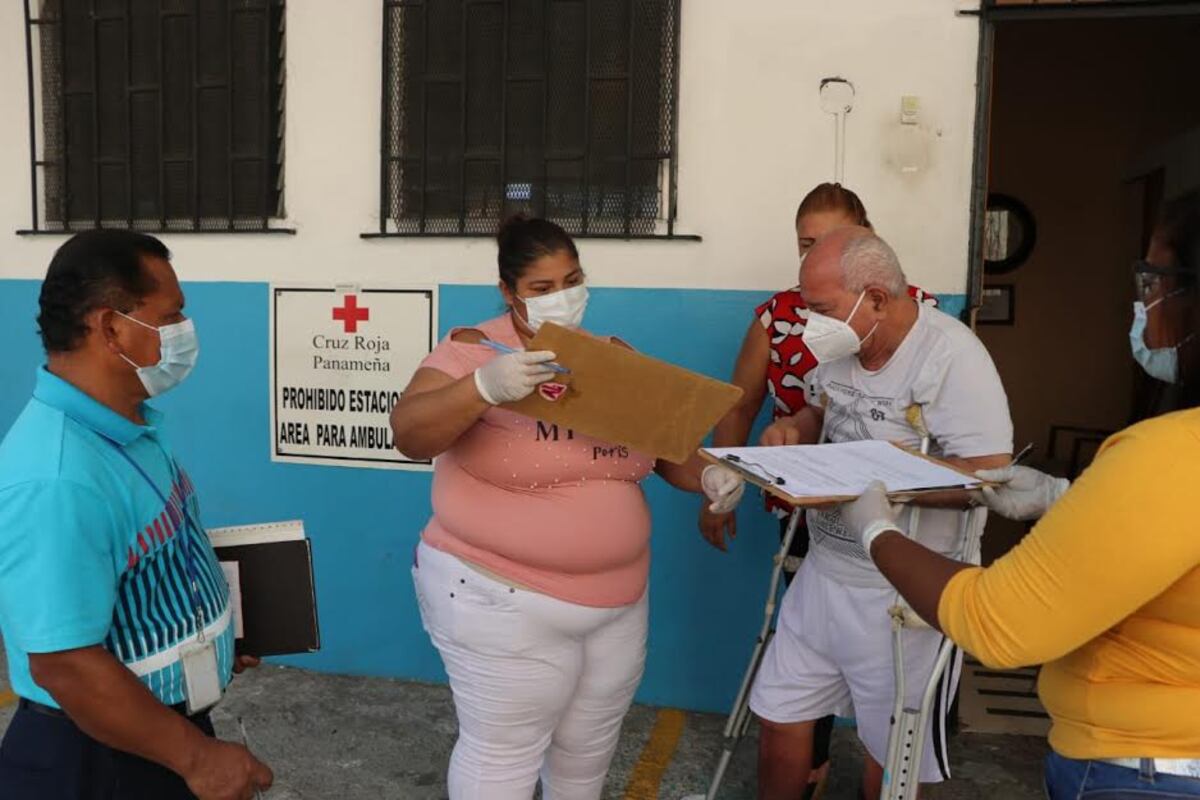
[(1161, 363), (178, 350)]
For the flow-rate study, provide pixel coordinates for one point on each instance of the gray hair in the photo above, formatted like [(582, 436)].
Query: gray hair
[(868, 260)]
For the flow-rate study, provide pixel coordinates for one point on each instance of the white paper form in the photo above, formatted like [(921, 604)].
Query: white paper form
[(842, 469)]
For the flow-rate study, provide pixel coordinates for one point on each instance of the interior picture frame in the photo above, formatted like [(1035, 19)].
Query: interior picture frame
[(998, 305), (1010, 233)]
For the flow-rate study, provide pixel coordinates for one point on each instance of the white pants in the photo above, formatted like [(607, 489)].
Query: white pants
[(540, 685), (832, 652)]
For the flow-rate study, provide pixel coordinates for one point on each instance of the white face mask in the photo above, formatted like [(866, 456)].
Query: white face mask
[(831, 339), (178, 350), (563, 308), (1161, 363)]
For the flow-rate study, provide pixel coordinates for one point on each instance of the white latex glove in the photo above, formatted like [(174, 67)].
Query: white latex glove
[(1024, 493), (513, 376), (870, 515), (723, 487)]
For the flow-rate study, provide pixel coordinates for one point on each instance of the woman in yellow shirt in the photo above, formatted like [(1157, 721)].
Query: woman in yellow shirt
[(1105, 591)]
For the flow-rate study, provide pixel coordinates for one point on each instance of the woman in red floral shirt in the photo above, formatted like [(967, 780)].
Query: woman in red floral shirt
[(774, 362)]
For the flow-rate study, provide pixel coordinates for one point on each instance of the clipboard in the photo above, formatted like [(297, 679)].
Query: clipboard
[(617, 395), (756, 478)]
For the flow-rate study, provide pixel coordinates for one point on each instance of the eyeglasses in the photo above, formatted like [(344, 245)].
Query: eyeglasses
[(1148, 280)]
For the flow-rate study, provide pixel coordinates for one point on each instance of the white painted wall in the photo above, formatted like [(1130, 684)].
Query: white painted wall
[(752, 140)]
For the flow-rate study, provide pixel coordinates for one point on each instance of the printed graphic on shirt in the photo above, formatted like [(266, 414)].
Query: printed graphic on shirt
[(156, 606), (612, 451), (852, 415), (549, 432)]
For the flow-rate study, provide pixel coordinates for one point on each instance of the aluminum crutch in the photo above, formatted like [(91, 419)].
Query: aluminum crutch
[(906, 740), (740, 716), (898, 748)]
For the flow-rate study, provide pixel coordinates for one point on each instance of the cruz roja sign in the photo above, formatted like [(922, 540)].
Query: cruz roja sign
[(340, 356)]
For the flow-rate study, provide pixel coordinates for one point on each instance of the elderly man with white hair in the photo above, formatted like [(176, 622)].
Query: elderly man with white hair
[(879, 353)]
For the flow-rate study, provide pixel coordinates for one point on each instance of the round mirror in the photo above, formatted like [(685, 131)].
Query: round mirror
[(1009, 233)]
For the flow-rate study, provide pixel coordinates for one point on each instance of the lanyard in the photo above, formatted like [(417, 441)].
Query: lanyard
[(188, 557)]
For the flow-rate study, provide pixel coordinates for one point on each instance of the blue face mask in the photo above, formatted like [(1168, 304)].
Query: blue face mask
[(1161, 363), (178, 350)]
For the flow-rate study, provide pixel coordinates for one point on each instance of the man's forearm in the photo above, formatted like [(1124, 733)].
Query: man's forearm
[(111, 705)]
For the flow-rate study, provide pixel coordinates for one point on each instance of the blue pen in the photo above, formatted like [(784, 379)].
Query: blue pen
[(503, 348)]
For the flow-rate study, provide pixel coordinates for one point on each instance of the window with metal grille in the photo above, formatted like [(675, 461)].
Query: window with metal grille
[(159, 115), (561, 108)]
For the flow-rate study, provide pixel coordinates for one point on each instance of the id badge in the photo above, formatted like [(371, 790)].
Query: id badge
[(200, 676)]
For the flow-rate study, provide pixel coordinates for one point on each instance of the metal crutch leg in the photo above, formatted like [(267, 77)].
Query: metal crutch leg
[(905, 723), (740, 717), (906, 742), (906, 737)]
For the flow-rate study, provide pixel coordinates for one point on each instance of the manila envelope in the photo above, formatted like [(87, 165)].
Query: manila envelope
[(620, 396)]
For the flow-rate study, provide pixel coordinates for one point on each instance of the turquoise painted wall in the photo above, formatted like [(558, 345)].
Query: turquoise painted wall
[(705, 605)]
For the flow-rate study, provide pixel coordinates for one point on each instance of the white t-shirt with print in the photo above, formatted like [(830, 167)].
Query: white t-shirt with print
[(940, 366)]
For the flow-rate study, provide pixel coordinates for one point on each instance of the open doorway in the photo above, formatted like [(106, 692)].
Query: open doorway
[(1094, 123)]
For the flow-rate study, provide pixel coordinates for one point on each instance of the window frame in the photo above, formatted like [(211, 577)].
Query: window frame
[(388, 225), (42, 226), (1003, 10)]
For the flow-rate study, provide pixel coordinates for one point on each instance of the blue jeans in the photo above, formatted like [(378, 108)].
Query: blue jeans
[(1069, 779)]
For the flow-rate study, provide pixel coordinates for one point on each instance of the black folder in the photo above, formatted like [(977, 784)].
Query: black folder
[(278, 599)]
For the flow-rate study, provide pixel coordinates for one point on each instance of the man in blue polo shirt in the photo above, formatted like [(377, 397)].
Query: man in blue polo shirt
[(113, 609)]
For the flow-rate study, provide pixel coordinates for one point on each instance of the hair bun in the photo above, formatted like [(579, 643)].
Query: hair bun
[(522, 239), (511, 226)]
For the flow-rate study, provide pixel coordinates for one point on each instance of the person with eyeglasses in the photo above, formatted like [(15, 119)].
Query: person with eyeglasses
[(1164, 302), (1105, 590)]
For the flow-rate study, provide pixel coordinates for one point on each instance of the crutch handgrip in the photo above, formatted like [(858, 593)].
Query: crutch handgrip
[(906, 616)]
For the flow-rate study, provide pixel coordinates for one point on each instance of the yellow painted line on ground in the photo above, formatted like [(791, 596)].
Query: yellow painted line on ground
[(656, 755), (7, 698)]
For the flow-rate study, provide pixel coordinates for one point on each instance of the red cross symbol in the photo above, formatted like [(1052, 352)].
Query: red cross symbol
[(350, 314)]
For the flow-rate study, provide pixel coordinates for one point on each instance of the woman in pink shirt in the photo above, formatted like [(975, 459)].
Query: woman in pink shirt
[(531, 575)]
